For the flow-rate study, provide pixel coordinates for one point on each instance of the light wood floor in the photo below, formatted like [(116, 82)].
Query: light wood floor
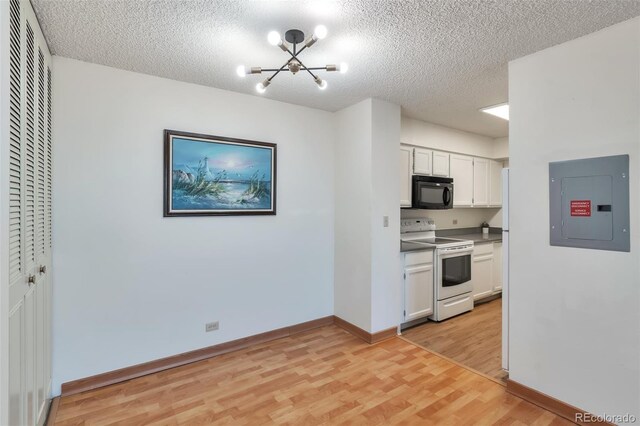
[(323, 376), (473, 339)]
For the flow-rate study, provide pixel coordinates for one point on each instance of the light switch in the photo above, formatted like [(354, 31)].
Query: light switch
[(385, 221)]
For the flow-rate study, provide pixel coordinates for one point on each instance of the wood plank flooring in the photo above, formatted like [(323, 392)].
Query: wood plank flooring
[(473, 339), (323, 376)]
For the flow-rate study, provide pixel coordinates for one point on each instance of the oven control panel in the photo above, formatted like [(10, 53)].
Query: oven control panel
[(417, 225)]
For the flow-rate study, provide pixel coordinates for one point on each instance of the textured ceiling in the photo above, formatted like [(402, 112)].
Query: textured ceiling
[(440, 60)]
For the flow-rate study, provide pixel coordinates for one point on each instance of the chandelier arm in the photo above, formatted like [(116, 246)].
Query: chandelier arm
[(300, 51), (282, 68), (294, 54), (304, 67)]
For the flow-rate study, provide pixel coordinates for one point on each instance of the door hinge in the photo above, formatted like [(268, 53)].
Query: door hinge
[(405, 275), (404, 313)]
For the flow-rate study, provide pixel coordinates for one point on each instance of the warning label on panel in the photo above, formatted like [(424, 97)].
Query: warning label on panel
[(580, 207)]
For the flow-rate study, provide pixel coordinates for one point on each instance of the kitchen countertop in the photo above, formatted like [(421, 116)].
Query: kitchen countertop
[(473, 234), (405, 247), (479, 238)]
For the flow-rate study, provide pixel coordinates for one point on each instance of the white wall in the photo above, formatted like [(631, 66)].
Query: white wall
[(367, 254), (575, 313), (352, 279), (501, 148), (386, 275), (131, 286), (421, 133)]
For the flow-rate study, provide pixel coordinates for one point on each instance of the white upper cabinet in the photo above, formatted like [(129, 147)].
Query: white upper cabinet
[(422, 161), (440, 164), (461, 170), (477, 181), (480, 182), (405, 175), (495, 178)]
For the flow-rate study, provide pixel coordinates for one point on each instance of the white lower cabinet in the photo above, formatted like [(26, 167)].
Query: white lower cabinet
[(482, 271), (486, 269), (418, 285), (497, 267)]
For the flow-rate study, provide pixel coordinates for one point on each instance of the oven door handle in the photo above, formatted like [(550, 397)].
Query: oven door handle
[(428, 245), (456, 250)]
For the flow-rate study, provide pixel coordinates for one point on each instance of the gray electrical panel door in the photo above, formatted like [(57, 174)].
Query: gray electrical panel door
[(589, 203)]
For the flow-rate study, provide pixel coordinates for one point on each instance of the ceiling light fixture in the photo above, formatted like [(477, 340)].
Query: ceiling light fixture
[(500, 110), (293, 64)]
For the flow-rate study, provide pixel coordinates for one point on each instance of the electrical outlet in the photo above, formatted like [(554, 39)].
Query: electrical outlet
[(385, 221), (455, 221), (212, 326)]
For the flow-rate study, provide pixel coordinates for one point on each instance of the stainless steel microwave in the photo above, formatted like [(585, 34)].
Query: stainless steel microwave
[(430, 192)]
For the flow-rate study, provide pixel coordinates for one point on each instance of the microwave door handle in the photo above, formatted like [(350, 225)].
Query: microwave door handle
[(446, 196)]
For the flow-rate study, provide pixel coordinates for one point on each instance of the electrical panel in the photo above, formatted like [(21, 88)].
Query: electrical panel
[(589, 203)]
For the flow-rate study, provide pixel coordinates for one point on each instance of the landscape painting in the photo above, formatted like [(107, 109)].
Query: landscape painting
[(212, 175)]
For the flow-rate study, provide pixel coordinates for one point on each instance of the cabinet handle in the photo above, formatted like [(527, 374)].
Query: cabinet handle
[(43, 269), (31, 280)]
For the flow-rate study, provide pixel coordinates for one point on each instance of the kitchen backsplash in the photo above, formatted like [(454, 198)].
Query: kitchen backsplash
[(466, 218)]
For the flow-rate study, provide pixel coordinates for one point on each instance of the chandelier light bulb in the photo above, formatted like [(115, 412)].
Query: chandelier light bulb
[(241, 71), (262, 87), (274, 38), (320, 32), (322, 84), (344, 67)]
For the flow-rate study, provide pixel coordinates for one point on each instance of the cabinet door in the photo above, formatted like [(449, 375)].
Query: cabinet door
[(422, 161), (482, 276), (405, 176), (495, 183), (480, 182), (497, 267), (29, 216), (418, 291), (440, 164), (461, 168)]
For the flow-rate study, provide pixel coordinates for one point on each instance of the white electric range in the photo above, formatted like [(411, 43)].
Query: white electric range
[(452, 267)]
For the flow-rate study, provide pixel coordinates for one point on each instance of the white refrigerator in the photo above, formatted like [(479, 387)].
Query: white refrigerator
[(505, 269)]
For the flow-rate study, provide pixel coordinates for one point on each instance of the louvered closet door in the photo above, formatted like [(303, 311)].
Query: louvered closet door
[(30, 218), (17, 285)]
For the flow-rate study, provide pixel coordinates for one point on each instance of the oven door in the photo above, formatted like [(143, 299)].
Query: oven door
[(454, 271), (430, 195)]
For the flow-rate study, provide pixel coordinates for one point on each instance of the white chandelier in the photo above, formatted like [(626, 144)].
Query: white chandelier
[(294, 64)]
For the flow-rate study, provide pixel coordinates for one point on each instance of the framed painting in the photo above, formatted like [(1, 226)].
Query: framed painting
[(208, 175)]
